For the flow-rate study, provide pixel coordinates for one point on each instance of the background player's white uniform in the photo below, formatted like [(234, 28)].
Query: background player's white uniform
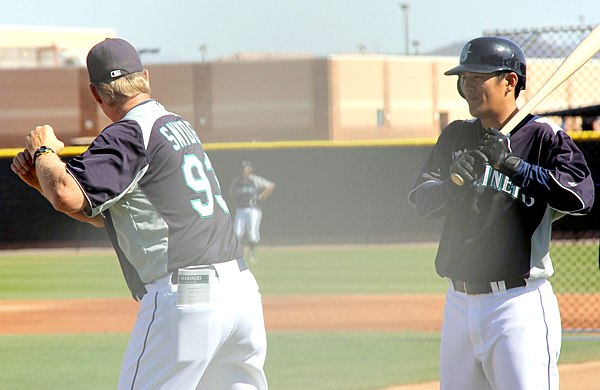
[(246, 191)]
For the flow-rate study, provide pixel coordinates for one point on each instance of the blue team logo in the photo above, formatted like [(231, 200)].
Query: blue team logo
[(464, 54)]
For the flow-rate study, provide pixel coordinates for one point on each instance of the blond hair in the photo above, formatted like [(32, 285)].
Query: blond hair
[(122, 89)]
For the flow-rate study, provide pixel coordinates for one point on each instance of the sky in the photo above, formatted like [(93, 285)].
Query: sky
[(179, 28)]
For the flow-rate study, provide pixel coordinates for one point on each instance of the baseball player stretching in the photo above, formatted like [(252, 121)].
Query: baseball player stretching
[(501, 327), (248, 191), (147, 179)]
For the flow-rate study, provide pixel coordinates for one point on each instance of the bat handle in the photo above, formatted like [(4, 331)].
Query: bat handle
[(456, 179)]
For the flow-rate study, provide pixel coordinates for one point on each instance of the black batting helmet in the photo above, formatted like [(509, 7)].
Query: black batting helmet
[(491, 55)]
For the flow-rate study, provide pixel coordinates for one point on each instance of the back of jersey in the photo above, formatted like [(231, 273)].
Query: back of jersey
[(182, 185)]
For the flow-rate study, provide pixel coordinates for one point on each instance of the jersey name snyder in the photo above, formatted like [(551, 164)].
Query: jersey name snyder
[(180, 134), (500, 182)]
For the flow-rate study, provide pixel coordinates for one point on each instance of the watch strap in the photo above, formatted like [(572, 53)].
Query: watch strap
[(41, 151)]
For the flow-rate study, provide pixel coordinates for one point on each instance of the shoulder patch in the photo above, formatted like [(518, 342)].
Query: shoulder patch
[(543, 120)]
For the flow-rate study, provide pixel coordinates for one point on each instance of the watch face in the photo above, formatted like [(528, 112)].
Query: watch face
[(42, 150)]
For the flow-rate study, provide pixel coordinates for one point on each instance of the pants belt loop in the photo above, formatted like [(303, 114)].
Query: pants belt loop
[(502, 285), (230, 267), (497, 286), (242, 264)]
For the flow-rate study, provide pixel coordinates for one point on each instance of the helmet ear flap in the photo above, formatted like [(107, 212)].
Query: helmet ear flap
[(459, 88)]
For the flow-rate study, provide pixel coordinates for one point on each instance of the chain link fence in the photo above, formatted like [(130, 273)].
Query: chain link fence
[(575, 105), (546, 49)]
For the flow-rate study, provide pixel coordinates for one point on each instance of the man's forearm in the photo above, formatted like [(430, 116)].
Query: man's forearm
[(57, 185), (97, 221)]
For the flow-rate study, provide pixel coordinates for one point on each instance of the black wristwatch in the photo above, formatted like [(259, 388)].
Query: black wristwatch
[(41, 151)]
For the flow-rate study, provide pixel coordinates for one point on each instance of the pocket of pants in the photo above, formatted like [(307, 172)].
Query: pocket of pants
[(191, 329)]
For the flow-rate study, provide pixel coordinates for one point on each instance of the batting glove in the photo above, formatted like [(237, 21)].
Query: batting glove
[(496, 147), (470, 165)]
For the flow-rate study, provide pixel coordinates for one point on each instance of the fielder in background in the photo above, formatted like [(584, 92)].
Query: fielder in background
[(501, 327), (147, 179), (248, 192)]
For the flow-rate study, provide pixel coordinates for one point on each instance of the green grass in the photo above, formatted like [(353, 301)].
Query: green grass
[(576, 266), (54, 275), (375, 270), (315, 360), (350, 361), (405, 269), (79, 361)]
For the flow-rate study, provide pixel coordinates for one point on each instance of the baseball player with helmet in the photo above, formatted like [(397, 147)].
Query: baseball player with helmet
[(147, 179), (248, 192), (501, 327)]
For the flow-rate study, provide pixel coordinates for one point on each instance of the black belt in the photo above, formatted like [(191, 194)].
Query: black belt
[(487, 287), (240, 262)]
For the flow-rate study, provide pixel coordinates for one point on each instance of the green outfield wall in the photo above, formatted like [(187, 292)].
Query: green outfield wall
[(326, 193)]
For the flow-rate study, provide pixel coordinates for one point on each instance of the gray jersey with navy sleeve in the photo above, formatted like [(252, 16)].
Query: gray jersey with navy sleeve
[(149, 175)]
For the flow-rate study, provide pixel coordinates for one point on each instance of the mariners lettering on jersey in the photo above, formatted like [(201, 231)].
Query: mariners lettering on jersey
[(502, 183), (246, 192), (179, 134)]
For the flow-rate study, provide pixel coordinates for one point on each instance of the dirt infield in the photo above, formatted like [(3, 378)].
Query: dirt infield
[(282, 313)]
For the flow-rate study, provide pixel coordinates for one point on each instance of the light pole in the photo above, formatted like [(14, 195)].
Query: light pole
[(416, 44), (203, 49), (405, 7)]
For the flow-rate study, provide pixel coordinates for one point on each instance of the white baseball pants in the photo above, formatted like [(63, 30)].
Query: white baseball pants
[(247, 223), (508, 340), (218, 345)]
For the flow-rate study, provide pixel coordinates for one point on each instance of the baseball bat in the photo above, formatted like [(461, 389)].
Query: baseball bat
[(578, 57)]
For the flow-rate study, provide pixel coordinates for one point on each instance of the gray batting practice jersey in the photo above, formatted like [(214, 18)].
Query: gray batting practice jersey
[(245, 190), (499, 228), (149, 176)]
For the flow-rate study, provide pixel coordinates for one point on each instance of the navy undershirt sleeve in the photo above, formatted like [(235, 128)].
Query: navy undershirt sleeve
[(532, 176)]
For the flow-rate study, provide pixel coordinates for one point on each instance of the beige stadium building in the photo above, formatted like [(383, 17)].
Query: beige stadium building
[(248, 97)]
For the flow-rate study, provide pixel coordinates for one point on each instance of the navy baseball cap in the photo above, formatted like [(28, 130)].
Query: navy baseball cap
[(112, 58)]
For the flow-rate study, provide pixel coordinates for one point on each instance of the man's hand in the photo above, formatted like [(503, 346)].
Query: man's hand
[(469, 166), (22, 165), (43, 136), (496, 147)]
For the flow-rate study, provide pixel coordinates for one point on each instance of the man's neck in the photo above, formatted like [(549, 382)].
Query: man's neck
[(499, 120), (119, 112)]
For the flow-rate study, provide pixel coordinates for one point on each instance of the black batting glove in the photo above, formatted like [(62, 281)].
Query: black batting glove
[(469, 166), (496, 147)]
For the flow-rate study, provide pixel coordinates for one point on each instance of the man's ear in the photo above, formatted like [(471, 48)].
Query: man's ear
[(95, 94), (512, 79)]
